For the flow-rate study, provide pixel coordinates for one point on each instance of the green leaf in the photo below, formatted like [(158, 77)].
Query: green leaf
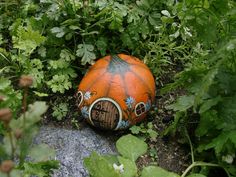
[(183, 103), (58, 64), (42, 51), (98, 166), (59, 31), (27, 39), (60, 83), (154, 171), (152, 133), (196, 175), (135, 129), (60, 111), (131, 147), (102, 45), (111, 158), (220, 141), (40, 169), (130, 168), (41, 152), (39, 94), (67, 55), (166, 13), (207, 123), (227, 113), (86, 52), (33, 115), (207, 104)]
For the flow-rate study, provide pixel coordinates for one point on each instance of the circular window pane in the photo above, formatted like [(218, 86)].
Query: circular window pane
[(105, 114), (79, 98), (140, 109)]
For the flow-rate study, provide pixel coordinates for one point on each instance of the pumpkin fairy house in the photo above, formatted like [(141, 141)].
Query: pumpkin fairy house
[(116, 92)]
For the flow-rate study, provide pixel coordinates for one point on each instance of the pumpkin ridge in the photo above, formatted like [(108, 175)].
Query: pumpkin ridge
[(109, 86), (142, 80), (124, 85), (97, 79), (117, 65)]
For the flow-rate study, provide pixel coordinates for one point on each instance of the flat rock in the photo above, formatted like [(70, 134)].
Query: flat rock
[(72, 146)]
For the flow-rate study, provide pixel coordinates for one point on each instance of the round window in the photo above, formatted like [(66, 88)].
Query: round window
[(140, 109), (79, 98)]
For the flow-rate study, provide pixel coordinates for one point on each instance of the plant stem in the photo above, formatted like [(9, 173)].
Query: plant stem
[(194, 164), (190, 144), (11, 141), (12, 145), (24, 104)]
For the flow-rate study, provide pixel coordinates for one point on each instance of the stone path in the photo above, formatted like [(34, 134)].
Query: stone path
[(72, 146)]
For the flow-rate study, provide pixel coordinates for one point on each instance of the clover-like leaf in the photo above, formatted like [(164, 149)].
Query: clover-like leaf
[(86, 52)]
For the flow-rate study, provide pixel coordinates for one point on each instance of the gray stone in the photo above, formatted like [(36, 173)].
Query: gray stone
[(72, 146)]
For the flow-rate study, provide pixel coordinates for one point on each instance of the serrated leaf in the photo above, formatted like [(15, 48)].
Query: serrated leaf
[(135, 129), (154, 171), (227, 113), (207, 122), (102, 45), (59, 31), (220, 141), (67, 55), (207, 104), (58, 64), (60, 83), (131, 147), (86, 52), (27, 39), (183, 103), (98, 166)]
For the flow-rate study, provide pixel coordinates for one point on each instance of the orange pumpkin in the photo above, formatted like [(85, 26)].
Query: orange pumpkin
[(116, 92)]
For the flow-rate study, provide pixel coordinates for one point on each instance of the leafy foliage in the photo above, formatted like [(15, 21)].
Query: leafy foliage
[(101, 165), (56, 41), (146, 131), (17, 141), (60, 111), (210, 79)]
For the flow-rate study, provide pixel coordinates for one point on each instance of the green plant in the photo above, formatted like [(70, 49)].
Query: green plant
[(75, 123), (146, 131), (18, 138), (56, 40), (60, 111), (209, 82), (130, 148)]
